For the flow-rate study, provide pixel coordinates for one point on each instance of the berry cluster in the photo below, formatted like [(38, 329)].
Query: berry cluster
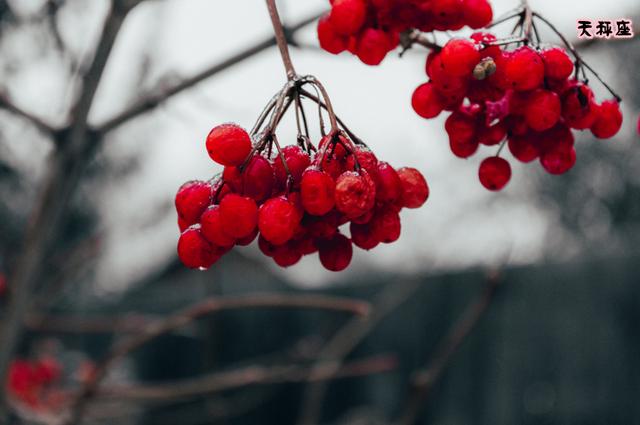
[(529, 98), (30, 382), (370, 29), (295, 203)]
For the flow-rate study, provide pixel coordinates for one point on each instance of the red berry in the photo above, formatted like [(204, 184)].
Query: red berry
[(348, 16), (239, 215), (425, 101), (195, 251), (543, 110), (212, 228), (524, 69), (415, 190), (362, 236), (385, 225), (297, 161), (492, 135), (258, 179), (389, 188), (477, 13), (287, 255), (459, 57), (367, 160), (608, 120), (523, 148), (191, 200), (354, 195), (228, 144), (329, 38), (317, 191), (248, 239), (557, 63), (373, 45), (579, 108), (494, 173), (558, 161), (335, 253), (278, 220), (461, 129)]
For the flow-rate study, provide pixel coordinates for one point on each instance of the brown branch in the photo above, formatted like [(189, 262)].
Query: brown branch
[(7, 104), (202, 309), (423, 380), (331, 357), (281, 39), (251, 375), (161, 93), (62, 178)]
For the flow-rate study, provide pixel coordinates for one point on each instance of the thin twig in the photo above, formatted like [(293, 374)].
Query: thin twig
[(281, 39), (251, 375), (202, 309), (424, 379), (5, 103), (332, 356)]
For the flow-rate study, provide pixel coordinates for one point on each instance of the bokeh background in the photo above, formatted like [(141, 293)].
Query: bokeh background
[(558, 345)]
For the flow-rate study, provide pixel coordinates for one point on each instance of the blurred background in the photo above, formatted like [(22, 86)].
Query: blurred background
[(559, 343)]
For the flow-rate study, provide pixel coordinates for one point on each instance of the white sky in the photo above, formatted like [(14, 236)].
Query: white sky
[(461, 225)]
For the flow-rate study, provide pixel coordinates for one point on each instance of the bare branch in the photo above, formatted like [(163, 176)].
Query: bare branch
[(5, 103), (424, 379), (66, 167), (205, 308), (161, 93), (331, 357), (252, 375)]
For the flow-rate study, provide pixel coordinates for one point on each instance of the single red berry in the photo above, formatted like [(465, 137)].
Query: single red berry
[(362, 236), (608, 120), (415, 190), (365, 218), (373, 45), (459, 57), (523, 148), (385, 225), (192, 199), (287, 255), (354, 195), (366, 159), (232, 178), (448, 14), (579, 107), (558, 161), (426, 102), (297, 161), (317, 191), (239, 215), (195, 251), (258, 179), (557, 63), (348, 16), (278, 220), (461, 129), (212, 228), (389, 187), (335, 147), (329, 38), (477, 13), (543, 110), (524, 69), (494, 173), (247, 240), (228, 144), (335, 253)]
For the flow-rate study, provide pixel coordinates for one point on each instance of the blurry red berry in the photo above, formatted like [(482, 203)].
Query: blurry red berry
[(287, 255), (385, 225), (543, 110), (608, 120), (524, 69), (317, 191), (523, 148), (335, 253), (557, 63), (212, 228), (362, 236), (348, 16), (477, 13), (459, 57), (330, 40), (558, 161), (494, 173), (373, 45), (389, 187), (278, 220), (415, 190), (195, 251), (426, 102), (258, 179), (354, 195)]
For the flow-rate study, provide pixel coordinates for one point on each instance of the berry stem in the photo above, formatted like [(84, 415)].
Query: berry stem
[(414, 36), (576, 54), (281, 39), (509, 15), (528, 21), (328, 106)]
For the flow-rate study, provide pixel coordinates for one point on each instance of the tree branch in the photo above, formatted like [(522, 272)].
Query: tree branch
[(424, 379), (205, 308), (65, 170), (7, 104), (252, 375), (161, 93), (331, 357)]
